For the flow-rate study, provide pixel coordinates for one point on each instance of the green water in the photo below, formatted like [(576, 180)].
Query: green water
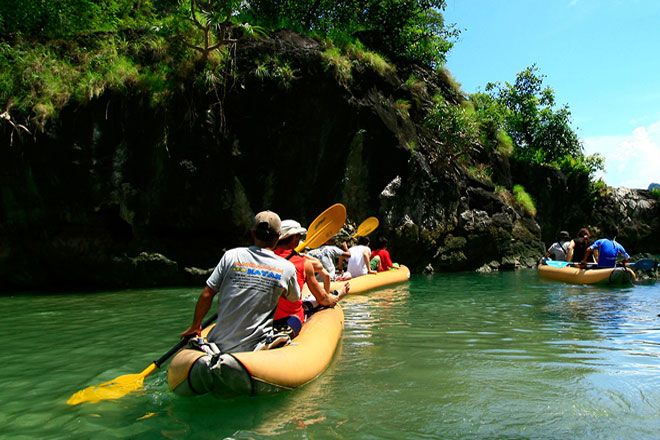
[(450, 356)]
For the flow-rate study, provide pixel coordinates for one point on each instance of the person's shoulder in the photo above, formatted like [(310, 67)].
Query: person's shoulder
[(231, 253)]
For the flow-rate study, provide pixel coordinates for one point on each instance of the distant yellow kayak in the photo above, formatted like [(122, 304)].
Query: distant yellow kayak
[(575, 275), (261, 372)]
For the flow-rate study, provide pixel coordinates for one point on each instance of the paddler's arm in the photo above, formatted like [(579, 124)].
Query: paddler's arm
[(367, 261), (201, 309), (319, 269), (583, 263), (571, 247), (322, 296)]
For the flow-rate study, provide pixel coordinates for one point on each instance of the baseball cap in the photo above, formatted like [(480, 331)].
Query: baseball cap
[(268, 223)]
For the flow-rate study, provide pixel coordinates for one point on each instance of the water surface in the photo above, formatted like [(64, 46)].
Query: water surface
[(502, 355)]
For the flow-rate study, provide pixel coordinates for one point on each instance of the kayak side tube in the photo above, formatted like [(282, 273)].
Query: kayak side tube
[(368, 282), (194, 372)]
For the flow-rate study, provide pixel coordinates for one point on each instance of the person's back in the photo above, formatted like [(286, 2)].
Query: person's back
[(383, 255), (608, 251), (286, 307), (559, 249), (358, 262), (250, 282), (578, 247)]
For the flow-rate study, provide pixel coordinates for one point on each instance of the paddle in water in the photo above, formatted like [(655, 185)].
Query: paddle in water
[(325, 226)]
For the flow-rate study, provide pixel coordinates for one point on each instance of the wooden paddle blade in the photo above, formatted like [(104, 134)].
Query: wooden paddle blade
[(113, 389), (324, 227), (367, 227)]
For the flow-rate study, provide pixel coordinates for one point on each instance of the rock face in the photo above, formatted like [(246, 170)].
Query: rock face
[(636, 214), (118, 194)]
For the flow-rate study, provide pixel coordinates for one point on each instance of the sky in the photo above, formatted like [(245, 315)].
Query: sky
[(601, 58)]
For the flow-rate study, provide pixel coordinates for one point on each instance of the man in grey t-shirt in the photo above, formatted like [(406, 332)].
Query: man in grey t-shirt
[(249, 282)]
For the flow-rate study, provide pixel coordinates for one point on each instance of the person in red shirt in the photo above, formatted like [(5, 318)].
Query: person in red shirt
[(290, 315), (383, 255)]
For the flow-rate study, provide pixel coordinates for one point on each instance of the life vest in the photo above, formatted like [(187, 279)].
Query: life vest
[(286, 308)]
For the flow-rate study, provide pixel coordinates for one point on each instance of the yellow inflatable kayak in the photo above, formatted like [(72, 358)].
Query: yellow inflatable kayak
[(369, 282), (194, 372), (575, 275)]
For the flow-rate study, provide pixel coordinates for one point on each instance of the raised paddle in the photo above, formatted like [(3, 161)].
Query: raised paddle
[(366, 227), (325, 226)]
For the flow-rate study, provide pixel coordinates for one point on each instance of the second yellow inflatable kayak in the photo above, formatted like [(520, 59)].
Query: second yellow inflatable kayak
[(575, 275)]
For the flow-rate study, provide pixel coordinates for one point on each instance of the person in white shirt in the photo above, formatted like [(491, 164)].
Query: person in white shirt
[(359, 261)]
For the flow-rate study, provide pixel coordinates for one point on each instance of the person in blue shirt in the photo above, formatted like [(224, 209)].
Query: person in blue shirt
[(608, 250)]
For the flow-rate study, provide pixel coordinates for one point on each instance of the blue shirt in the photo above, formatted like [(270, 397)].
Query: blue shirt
[(608, 250)]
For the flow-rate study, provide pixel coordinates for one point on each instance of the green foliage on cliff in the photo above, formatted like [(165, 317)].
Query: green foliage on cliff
[(57, 52), (524, 200)]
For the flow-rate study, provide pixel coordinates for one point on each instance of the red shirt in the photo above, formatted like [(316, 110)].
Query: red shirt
[(385, 260), (286, 308)]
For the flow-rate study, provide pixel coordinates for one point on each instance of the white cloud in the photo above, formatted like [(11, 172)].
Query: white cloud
[(631, 161)]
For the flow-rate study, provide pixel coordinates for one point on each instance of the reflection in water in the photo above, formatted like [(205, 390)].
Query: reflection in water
[(445, 356)]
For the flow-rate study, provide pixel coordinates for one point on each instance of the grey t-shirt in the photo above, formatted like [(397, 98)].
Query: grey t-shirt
[(326, 255), (558, 250), (249, 282)]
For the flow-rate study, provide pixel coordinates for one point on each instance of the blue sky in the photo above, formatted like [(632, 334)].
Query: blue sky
[(601, 57)]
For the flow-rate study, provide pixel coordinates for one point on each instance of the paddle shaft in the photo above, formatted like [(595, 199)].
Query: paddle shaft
[(182, 343)]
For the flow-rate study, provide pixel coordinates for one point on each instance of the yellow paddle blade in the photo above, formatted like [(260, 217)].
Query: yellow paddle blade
[(367, 227), (324, 227), (113, 389)]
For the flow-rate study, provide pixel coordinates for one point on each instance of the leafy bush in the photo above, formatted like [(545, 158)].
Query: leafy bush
[(455, 126), (524, 200), (540, 133), (412, 30)]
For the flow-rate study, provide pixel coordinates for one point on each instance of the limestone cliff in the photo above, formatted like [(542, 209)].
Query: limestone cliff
[(118, 193)]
